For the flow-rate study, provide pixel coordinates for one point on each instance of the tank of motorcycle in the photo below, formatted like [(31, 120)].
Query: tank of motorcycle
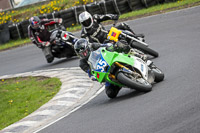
[(53, 35)]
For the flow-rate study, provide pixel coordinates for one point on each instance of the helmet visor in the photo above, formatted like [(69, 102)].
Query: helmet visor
[(35, 24), (84, 53), (81, 47), (87, 22)]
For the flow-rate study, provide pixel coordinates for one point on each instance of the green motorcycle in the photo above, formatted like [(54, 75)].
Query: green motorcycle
[(123, 70)]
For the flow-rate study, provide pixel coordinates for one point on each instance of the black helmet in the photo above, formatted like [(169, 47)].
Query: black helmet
[(82, 48), (35, 22)]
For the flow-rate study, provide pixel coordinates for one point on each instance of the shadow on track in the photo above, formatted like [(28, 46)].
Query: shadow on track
[(124, 95), (60, 61)]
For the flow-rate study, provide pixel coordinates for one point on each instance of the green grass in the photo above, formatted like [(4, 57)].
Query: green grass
[(162, 8), (24, 13), (157, 9), (21, 96), (14, 43)]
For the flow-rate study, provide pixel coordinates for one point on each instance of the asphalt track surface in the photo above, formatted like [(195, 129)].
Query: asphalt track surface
[(171, 107)]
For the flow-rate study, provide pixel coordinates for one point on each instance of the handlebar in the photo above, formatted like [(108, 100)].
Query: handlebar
[(134, 38)]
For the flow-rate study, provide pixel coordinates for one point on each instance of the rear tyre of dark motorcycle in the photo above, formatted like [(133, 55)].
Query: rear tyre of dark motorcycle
[(112, 91), (159, 75), (145, 49), (134, 84)]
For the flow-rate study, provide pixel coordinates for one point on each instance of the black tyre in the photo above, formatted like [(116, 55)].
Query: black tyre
[(159, 75), (24, 24), (142, 86), (112, 91), (144, 49), (94, 9), (49, 59)]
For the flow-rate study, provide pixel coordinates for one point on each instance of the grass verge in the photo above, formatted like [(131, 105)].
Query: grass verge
[(157, 9), (161, 8), (19, 14), (22, 96)]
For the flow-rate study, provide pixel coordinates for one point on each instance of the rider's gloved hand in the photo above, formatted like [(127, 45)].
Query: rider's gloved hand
[(127, 49), (45, 44), (39, 45), (89, 73), (121, 46), (115, 17)]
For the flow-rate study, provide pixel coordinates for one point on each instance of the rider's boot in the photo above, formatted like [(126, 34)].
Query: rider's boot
[(111, 90), (141, 39), (48, 54), (126, 27), (149, 63)]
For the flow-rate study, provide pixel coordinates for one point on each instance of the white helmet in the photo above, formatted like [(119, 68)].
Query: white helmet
[(85, 18)]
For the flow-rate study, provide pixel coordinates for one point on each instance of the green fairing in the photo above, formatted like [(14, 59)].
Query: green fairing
[(110, 58)]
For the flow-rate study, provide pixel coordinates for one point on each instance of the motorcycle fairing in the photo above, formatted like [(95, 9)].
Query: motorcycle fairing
[(141, 66)]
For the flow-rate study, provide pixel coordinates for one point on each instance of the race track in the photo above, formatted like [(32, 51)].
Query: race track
[(30, 58), (171, 107)]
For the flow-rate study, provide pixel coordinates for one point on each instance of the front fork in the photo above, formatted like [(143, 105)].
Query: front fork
[(124, 69)]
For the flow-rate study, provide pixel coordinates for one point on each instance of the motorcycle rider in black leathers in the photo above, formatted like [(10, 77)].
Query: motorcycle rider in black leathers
[(39, 34), (83, 49), (93, 31)]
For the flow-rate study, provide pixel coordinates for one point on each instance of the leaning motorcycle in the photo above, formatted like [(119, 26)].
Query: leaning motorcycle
[(134, 40), (123, 70), (62, 43)]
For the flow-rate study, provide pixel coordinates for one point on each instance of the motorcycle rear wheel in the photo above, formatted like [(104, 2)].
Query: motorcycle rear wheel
[(145, 49), (134, 84)]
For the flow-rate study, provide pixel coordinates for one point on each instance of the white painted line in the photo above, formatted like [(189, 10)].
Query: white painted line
[(98, 92)]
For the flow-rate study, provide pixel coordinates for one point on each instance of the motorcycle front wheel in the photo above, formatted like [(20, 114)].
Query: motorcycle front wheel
[(138, 84)]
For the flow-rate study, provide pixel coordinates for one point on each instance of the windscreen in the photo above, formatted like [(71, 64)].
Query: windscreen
[(94, 58)]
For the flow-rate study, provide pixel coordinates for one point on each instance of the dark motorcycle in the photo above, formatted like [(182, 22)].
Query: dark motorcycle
[(62, 43)]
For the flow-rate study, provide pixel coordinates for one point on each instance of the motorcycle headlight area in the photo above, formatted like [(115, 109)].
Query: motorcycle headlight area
[(65, 35)]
